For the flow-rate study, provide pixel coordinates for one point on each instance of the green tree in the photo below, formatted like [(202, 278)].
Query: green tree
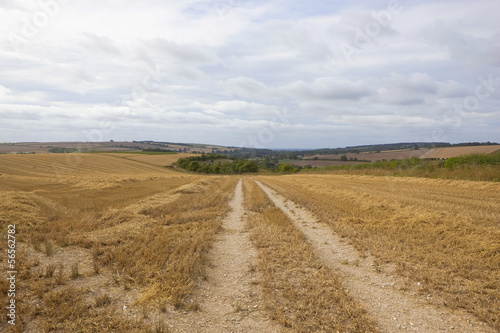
[(286, 168), (193, 166)]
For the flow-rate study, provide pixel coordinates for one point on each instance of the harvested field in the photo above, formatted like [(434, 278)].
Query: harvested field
[(457, 151), (300, 292), (162, 160), (441, 236), (421, 153), (101, 146), (109, 243), (383, 155), (106, 236)]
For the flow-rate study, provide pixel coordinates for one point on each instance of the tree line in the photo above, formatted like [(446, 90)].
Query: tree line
[(216, 164)]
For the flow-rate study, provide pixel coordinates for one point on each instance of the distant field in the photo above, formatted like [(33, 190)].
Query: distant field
[(44, 147), (107, 146), (421, 153), (383, 155), (75, 169), (12, 149), (457, 151), (160, 160)]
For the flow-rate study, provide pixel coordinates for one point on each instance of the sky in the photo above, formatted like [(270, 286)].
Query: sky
[(263, 74)]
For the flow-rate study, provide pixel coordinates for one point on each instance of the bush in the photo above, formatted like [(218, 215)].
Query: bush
[(62, 150), (286, 168), (158, 150), (193, 166), (229, 167), (472, 159)]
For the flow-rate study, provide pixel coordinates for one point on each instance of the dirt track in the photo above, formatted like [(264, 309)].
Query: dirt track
[(230, 298), (394, 310)]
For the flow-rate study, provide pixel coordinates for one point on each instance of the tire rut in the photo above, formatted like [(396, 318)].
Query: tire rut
[(394, 310), (230, 299)]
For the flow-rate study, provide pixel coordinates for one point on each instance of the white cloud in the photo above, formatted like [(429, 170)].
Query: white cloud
[(4, 92)]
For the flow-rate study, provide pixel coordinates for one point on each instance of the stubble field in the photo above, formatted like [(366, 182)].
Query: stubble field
[(115, 243), (439, 153)]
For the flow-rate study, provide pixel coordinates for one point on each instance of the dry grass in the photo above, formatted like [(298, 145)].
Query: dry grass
[(66, 310), (457, 151), (166, 256), (92, 192), (300, 293), (383, 155), (96, 232), (109, 244), (443, 234), (255, 199), (159, 160)]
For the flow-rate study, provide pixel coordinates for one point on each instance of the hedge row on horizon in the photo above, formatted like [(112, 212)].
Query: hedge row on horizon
[(226, 168)]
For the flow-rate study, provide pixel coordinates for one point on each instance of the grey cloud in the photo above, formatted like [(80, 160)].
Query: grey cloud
[(466, 48), (185, 53), (329, 88), (412, 90), (301, 38), (12, 112), (245, 109), (416, 83), (246, 87), (100, 43), (452, 89)]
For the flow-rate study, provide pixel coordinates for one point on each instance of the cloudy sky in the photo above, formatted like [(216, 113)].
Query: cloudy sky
[(275, 74)]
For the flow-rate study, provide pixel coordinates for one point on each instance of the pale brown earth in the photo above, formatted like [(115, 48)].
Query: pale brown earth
[(378, 292)]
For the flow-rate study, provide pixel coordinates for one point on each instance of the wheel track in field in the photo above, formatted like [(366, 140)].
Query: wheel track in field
[(394, 310), (230, 299)]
